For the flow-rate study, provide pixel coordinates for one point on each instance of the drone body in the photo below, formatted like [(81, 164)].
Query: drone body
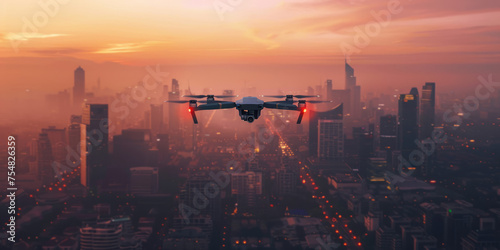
[(249, 107)]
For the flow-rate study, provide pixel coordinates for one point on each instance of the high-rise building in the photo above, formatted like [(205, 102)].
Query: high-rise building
[(384, 238), (326, 136), (144, 180), (131, 149), (57, 139), (388, 132), (477, 239), (427, 109), (354, 107), (329, 89), (246, 186), (100, 236), (156, 119), (45, 159), (190, 193), (457, 224), (173, 117), (408, 122), (79, 88), (286, 181), (94, 144), (163, 145), (350, 79)]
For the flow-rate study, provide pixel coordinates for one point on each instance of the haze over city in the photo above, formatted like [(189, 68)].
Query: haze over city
[(238, 124)]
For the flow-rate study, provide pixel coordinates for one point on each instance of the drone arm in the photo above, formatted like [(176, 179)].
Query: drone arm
[(195, 120), (280, 105), (216, 105), (302, 111)]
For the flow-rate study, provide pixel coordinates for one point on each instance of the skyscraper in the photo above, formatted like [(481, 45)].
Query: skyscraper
[(100, 236), (428, 105), (173, 118), (354, 107), (326, 134), (329, 89), (350, 79), (156, 119), (44, 159), (144, 180), (79, 88), (57, 139), (388, 132), (246, 186), (95, 143), (408, 122)]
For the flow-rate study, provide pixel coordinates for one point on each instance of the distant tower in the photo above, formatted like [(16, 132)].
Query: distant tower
[(388, 132), (350, 79), (95, 137), (354, 107), (428, 105), (329, 89), (156, 121), (408, 122), (326, 134), (45, 159), (174, 95), (79, 88)]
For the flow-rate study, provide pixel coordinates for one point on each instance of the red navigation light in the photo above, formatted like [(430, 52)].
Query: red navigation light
[(304, 110), (189, 110)]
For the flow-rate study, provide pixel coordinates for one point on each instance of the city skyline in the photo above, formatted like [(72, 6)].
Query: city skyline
[(238, 125), (243, 49)]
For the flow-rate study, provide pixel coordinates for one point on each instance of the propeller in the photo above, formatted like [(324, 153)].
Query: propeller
[(205, 96), (315, 101), (178, 101), (293, 96)]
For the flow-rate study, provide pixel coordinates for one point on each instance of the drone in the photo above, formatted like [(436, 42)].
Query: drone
[(249, 107)]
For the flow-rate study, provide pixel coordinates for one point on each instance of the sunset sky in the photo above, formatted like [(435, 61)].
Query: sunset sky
[(252, 41)]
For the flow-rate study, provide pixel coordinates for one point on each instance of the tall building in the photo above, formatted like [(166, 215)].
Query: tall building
[(458, 222), (326, 134), (350, 79), (329, 89), (173, 118), (144, 180), (100, 236), (408, 122), (57, 139), (246, 186), (156, 121), (44, 159), (163, 145), (190, 193), (286, 181), (354, 107), (131, 149), (427, 109), (79, 88), (388, 132), (94, 144)]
